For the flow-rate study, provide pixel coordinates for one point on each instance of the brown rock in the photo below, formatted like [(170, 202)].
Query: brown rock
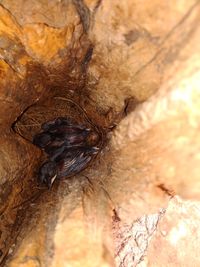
[(134, 68), (176, 240)]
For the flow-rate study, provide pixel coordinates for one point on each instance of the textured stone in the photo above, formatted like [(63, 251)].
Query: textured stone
[(117, 59), (176, 240)]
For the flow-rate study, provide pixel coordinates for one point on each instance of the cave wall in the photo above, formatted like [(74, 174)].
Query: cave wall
[(102, 53)]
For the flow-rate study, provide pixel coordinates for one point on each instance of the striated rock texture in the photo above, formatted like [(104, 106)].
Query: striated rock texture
[(177, 236), (135, 69)]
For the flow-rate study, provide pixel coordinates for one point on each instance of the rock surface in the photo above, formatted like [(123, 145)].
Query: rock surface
[(132, 65)]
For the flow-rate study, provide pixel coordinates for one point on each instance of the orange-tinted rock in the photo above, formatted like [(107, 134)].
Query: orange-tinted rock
[(176, 240), (101, 54)]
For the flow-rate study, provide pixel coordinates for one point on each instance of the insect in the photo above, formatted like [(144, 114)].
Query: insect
[(70, 147)]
